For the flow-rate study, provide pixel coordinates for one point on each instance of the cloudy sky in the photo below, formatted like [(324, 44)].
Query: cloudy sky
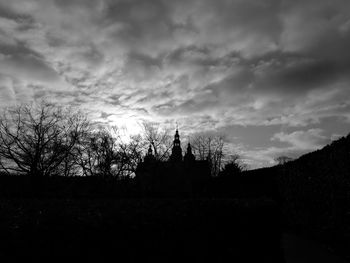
[(273, 75)]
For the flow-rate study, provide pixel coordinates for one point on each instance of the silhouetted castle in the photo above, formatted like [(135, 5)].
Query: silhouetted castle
[(178, 175)]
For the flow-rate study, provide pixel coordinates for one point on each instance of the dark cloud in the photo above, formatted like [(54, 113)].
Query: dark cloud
[(76, 4), (298, 75), (7, 12), (191, 54), (138, 24), (27, 67), (18, 49), (141, 67), (105, 115)]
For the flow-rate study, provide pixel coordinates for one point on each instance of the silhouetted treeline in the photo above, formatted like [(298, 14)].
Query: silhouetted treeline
[(247, 184), (44, 139)]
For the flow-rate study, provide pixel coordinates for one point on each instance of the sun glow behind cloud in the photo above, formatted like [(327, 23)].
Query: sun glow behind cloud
[(127, 126)]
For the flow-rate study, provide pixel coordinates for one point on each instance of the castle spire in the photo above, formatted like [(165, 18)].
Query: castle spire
[(149, 156), (150, 151), (189, 157), (176, 154)]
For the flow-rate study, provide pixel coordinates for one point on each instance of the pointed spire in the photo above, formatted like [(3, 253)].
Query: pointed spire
[(177, 138), (189, 148), (189, 156), (150, 151), (176, 154), (149, 156)]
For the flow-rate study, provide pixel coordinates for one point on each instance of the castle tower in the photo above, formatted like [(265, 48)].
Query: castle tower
[(150, 152), (176, 153), (149, 156), (189, 157)]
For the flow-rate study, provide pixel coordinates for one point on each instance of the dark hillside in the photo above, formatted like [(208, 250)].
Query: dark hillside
[(259, 183), (315, 190)]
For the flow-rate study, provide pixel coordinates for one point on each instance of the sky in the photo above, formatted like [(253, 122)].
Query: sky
[(271, 75)]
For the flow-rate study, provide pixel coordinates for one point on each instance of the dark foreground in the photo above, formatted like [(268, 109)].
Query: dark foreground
[(140, 230), (300, 249)]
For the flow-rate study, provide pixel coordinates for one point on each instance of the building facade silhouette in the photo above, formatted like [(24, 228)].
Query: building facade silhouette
[(179, 175)]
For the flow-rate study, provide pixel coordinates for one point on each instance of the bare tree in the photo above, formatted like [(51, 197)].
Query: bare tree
[(36, 139), (103, 153), (159, 138), (281, 160), (129, 155), (69, 166), (96, 152), (209, 147)]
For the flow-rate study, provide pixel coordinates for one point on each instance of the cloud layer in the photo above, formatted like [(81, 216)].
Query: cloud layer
[(278, 68)]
